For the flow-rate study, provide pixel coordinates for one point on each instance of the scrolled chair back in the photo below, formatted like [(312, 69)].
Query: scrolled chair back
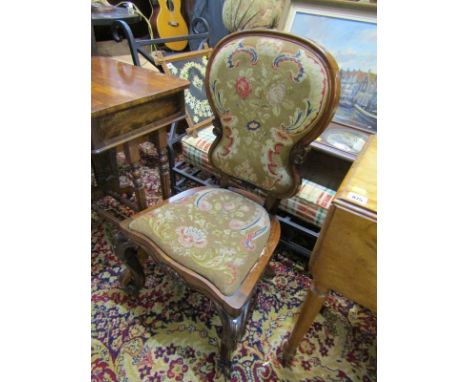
[(272, 93)]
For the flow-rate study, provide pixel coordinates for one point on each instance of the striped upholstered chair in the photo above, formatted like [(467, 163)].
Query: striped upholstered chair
[(271, 94)]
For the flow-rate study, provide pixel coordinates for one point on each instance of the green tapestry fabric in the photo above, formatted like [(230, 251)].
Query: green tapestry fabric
[(217, 233), (268, 92), (248, 14)]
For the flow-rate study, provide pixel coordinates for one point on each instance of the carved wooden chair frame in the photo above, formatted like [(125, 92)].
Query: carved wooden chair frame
[(233, 309)]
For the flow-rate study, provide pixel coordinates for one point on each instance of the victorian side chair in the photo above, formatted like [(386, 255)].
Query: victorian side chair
[(272, 94)]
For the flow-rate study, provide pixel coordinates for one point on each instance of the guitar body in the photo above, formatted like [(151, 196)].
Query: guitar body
[(170, 22)]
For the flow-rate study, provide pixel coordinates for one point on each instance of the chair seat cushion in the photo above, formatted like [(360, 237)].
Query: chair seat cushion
[(217, 233), (310, 204)]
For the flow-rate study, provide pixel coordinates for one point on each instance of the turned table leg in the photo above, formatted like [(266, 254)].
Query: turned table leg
[(160, 142), (132, 154), (309, 310)]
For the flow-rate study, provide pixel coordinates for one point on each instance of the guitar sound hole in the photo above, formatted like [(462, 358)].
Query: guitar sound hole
[(170, 5)]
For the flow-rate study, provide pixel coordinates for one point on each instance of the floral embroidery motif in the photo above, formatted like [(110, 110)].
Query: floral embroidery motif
[(243, 88), (281, 136), (191, 236), (201, 201), (230, 144), (297, 121), (195, 98), (296, 60), (275, 150), (219, 98), (276, 93), (235, 224), (253, 125), (228, 119), (268, 46), (229, 206), (198, 82), (240, 49), (271, 160), (249, 173), (249, 240)]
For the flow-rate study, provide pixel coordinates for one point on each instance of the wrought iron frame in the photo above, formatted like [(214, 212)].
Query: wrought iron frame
[(120, 30)]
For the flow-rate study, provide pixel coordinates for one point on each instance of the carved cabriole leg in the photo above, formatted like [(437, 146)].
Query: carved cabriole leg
[(133, 278), (232, 332), (132, 154), (160, 141), (309, 310)]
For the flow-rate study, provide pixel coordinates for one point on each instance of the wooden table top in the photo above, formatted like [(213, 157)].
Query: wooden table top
[(359, 188), (106, 16), (117, 86)]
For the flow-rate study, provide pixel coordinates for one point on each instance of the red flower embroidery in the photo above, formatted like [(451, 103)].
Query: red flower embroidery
[(243, 88)]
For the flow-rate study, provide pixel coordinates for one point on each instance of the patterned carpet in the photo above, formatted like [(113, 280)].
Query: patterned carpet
[(170, 333)]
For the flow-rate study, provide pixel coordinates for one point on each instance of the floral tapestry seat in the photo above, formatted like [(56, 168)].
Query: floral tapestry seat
[(310, 204), (215, 232)]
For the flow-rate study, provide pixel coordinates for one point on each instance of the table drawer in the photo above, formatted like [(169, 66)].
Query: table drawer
[(113, 129)]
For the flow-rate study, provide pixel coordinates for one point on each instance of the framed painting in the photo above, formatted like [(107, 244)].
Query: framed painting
[(348, 30)]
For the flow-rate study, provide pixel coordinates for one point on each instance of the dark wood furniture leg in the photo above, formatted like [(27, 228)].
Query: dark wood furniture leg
[(105, 170), (132, 155), (309, 310), (269, 272), (94, 51), (133, 278), (160, 141), (233, 330)]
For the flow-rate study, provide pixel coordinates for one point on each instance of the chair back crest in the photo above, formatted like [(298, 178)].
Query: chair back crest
[(272, 93)]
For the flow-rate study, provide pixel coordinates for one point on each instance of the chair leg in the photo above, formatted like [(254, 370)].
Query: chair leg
[(171, 152), (232, 332), (269, 272), (133, 278)]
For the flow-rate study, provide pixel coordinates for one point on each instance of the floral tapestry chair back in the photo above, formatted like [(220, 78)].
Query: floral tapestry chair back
[(272, 94)]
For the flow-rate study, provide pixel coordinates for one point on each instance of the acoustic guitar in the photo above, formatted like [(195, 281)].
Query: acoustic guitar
[(167, 21)]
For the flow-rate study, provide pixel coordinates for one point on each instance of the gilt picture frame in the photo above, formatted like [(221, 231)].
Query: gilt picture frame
[(349, 31)]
